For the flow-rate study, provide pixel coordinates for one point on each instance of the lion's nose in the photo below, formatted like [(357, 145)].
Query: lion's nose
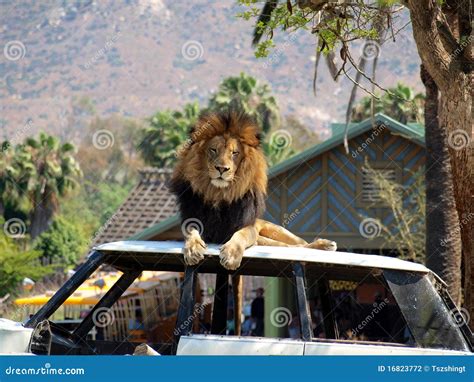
[(222, 169)]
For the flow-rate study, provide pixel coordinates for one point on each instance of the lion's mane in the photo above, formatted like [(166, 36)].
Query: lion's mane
[(222, 211)]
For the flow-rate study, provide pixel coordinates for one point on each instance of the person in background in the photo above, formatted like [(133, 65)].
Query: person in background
[(257, 312), (248, 324), (230, 326)]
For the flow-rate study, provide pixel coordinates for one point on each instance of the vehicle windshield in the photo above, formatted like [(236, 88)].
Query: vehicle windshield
[(429, 319)]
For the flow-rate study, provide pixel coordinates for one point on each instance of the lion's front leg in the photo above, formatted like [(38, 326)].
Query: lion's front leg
[(232, 252), (194, 248)]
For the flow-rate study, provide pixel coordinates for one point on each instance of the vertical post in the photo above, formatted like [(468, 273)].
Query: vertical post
[(330, 327), (184, 321), (219, 313), (94, 260), (302, 302), (274, 298)]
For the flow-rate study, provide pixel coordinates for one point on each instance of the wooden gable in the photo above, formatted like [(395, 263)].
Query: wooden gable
[(320, 196)]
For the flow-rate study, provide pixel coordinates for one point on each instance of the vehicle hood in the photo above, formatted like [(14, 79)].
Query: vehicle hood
[(14, 337)]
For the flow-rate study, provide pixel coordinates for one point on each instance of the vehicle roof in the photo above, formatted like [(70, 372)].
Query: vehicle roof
[(169, 255)]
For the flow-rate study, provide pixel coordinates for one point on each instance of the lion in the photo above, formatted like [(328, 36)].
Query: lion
[(220, 181)]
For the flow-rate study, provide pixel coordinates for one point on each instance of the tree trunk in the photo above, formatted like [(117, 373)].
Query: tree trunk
[(41, 218), (442, 244), (455, 115), (442, 34)]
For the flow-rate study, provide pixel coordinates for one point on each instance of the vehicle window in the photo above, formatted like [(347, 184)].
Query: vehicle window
[(146, 311), (355, 308), (276, 317), (428, 317)]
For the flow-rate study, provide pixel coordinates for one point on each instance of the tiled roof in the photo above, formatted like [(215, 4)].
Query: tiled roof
[(148, 204)]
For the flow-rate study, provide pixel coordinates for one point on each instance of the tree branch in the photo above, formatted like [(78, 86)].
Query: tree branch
[(423, 15)]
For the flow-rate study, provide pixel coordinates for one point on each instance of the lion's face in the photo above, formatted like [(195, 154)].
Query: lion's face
[(223, 156), (225, 159)]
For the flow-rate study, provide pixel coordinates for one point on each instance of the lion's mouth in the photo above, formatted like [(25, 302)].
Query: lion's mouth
[(219, 182)]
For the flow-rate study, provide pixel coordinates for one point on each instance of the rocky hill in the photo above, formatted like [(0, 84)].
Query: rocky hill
[(134, 57)]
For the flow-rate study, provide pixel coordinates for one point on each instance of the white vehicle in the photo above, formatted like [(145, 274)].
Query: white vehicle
[(338, 303)]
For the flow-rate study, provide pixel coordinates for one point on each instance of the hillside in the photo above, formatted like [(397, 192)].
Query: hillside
[(133, 57)]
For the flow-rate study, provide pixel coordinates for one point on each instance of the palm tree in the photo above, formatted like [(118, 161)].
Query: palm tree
[(47, 170), (7, 174), (400, 103), (247, 94), (443, 243), (167, 130)]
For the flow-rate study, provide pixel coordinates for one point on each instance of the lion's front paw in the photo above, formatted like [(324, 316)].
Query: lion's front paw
[(231, 255), (194, 250), (326, 245)]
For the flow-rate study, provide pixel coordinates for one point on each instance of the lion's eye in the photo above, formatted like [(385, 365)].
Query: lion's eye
[(235, 153), (213, 151)]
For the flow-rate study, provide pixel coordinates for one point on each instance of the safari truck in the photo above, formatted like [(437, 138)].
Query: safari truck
[(328, 303)]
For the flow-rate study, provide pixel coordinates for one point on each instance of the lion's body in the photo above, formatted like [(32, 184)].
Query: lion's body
[(220, 181), (219, 223)]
